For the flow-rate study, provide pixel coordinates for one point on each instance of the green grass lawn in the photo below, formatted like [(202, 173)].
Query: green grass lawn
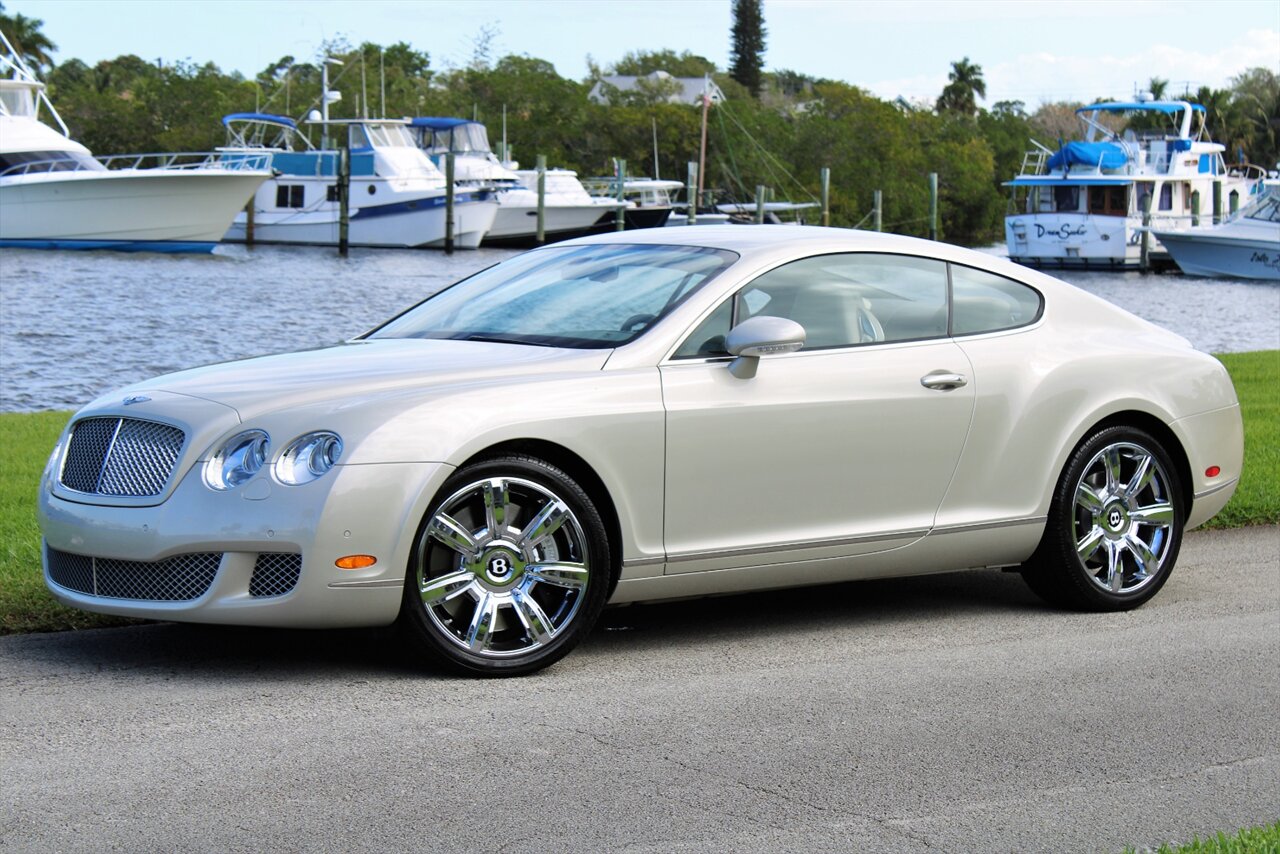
[(1252, 840), (27, 438), (1257, 498)]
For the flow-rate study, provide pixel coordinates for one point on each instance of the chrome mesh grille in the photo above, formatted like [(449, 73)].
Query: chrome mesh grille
[(275, 574), (121, 456), (176, 579)]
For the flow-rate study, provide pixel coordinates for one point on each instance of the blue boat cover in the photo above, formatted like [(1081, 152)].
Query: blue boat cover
[(1126, 106), (268, 118), (437, 123), (1107, 154)]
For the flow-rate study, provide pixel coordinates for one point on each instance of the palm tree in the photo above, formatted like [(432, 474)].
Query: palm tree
[(33, 47), (966, 86)]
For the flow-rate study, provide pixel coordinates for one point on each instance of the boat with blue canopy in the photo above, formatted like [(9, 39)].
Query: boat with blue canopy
[(1083, 205), (397, 195)]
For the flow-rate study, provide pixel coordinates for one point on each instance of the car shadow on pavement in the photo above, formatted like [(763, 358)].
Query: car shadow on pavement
[(879, 606)]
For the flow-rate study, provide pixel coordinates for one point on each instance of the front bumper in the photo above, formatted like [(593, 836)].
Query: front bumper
[(357, 509)]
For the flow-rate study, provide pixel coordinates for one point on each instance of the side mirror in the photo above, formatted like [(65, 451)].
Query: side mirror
[(761, 336)]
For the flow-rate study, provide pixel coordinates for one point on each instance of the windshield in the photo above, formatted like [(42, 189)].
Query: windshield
[(1266, 208), (580, 297)]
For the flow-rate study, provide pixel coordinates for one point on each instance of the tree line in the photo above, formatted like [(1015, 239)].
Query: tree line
[(781, 136)]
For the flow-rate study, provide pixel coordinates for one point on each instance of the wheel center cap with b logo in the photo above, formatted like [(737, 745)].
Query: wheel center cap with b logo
[(1115, 518), (499, 565)]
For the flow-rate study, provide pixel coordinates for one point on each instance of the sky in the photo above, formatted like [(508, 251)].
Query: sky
[(1029, 50)]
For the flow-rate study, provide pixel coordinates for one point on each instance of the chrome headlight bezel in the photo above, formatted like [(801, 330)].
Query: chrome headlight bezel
[(309, 457), (237, 460)]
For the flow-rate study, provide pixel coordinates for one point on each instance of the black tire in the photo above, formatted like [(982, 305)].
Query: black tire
[(1137, 522), (509, 600)]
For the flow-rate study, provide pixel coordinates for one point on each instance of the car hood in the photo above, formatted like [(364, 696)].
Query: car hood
[(360, 370)]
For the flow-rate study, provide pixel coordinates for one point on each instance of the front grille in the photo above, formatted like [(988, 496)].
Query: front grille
[(177, 579), (121, 456), (275, 574)]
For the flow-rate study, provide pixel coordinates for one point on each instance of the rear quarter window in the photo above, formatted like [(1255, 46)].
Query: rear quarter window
[(986, 302)]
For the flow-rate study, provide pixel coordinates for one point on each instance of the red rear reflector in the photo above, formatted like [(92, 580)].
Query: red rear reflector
[(355, 562), (1212, 471)]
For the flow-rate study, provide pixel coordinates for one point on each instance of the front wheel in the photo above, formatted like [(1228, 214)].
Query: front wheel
[(510, 570), (1115, 525)]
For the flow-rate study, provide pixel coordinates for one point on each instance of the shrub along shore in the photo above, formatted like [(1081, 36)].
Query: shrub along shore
[(26, 606)]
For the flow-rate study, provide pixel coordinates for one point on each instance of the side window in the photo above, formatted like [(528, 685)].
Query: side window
[(852, 299), (985, 302), (708, 337), (841, 301), (289, 195)]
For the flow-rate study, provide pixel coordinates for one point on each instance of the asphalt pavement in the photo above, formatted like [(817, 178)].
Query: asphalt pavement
[(950, 713)]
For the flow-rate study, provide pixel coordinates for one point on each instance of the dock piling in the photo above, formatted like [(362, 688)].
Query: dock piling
[(824, 177), (690, 191), (620, 171), (1217, 201), (250, 211), (877, 210), (1195, 208), (448, 202), (542, 199), (933, 205), (1144, 258), (344, 195), (760, 190)]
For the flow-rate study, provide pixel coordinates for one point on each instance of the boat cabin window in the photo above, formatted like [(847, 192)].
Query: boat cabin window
[(389, 136), (17, 102), (289, 196), (27, 162), (1066, 198), (1166, 197), (1109, 201)]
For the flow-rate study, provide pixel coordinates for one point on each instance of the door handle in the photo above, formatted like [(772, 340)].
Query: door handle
[(943, 380)]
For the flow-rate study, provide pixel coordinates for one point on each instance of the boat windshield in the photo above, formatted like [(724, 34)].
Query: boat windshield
[(582, 297), (31, 162), (1266, 208), (468, 138), (389, 136)]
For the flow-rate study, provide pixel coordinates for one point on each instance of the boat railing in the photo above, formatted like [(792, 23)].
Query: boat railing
[(168, 162), (255, 162)]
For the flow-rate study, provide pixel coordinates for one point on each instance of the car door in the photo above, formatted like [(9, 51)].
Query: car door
[(843, 448)]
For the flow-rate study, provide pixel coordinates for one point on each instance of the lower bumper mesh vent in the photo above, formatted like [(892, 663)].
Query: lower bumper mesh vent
[(275, 574), (177, 579)]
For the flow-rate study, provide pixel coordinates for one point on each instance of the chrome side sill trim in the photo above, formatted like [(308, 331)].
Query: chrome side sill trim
[(644, 561), (786, 547), (987, 526)]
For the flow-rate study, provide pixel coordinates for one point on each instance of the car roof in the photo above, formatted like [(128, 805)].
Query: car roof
[(766, 243)]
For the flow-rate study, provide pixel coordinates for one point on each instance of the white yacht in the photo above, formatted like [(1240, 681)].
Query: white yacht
[(397, 196), (567, 208), (54, 194), (649, 201), (1083, 205), (1246, 246)]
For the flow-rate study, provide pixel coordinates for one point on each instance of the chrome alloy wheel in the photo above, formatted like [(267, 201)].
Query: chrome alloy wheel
[(1123, 518), (501, 567)]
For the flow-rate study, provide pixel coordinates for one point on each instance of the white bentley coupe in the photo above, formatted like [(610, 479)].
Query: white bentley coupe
[(647, 415)]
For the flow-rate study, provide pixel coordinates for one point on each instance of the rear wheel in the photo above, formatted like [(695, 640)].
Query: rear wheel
[(510, 569), (1115, 525)]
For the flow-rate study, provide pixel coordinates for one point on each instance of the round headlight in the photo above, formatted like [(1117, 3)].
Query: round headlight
[(308, 457), (238, 460)]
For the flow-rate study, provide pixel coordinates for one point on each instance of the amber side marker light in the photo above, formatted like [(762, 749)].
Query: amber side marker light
[(355, 562), (1212, 471)]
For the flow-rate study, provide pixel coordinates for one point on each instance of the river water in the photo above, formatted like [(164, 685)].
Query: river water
[(74, 325)]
